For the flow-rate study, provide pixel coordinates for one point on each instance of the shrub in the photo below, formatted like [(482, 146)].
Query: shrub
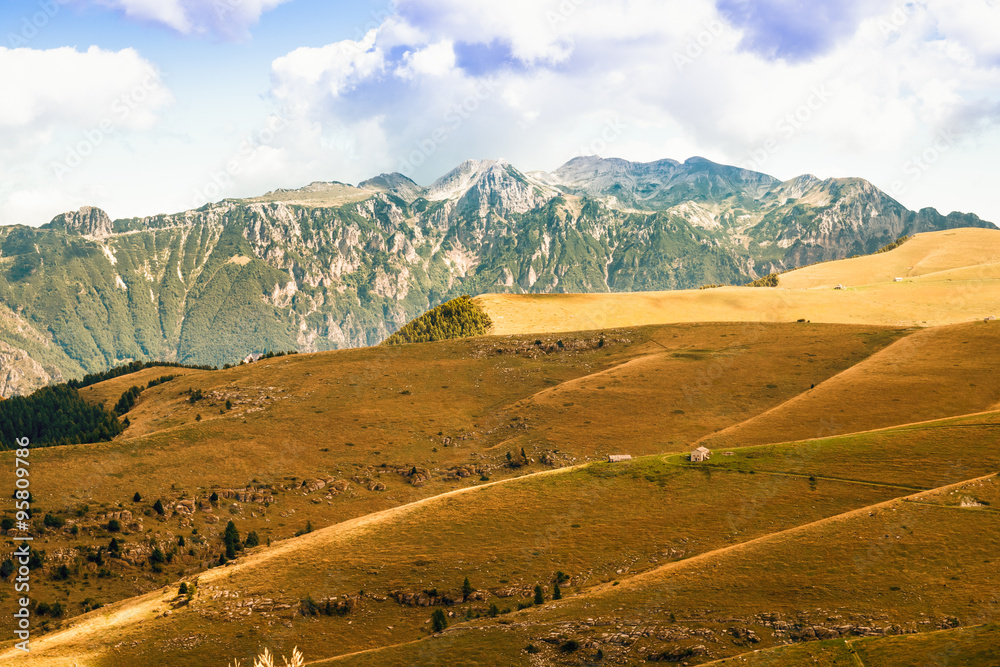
[(114, 526), (309, 607), (570, 646), (532, 649), (494, 610), (7, 523), (53, 521), (61, 573), (157, 557), (7, 569)]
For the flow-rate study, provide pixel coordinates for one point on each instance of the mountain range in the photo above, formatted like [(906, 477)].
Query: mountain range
[(332, 265)]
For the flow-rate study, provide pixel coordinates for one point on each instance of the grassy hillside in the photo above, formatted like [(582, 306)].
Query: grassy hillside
[(931, 374), (952, 278), (923, 256), (426, 464)]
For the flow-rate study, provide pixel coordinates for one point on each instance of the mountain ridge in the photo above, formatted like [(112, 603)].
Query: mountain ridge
[(333, 265)]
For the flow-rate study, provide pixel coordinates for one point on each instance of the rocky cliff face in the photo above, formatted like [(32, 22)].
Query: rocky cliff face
[(333, 265), (88, 221)]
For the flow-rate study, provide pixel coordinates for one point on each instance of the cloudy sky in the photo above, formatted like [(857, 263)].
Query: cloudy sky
[(153, 106)]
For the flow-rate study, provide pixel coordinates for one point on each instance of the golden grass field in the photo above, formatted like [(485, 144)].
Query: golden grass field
[(852, 485), (928, 296)]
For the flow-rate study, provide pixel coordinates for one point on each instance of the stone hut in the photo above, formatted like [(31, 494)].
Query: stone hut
[(701, 454)]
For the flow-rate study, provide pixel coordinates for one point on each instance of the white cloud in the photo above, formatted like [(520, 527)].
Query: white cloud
[(230, 19), (675, 73), (62, 111), (433, 60), (326, 71), (48, 89)]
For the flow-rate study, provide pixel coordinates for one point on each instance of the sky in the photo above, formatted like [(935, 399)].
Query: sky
[(157, 106)]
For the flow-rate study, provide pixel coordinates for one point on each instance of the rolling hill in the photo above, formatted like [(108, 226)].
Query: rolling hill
[(948, 278)]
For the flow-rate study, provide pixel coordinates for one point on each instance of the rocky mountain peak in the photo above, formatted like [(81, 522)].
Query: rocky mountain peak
[(395, 183), (465, 176), (88, 221)]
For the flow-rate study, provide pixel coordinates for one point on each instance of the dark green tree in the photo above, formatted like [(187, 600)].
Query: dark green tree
[(438, 621), (231, 537), (539, 595), (556, 592), (136, 498), (467, 589), (158, 506)]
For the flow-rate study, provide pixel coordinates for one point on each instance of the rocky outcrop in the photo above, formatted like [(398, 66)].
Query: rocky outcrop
[(88, 221), (19, 373)]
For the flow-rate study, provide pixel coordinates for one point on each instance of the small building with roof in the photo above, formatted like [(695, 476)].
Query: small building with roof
[(701, 454)]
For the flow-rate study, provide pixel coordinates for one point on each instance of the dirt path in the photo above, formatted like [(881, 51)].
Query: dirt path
[(144, 608), (640, 578)]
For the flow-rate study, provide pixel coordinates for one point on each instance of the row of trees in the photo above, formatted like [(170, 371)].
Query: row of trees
[(129, 369)]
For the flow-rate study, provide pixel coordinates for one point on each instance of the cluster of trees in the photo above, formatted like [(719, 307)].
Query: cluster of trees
[(457, 318), (127, 400), (231, 538), (128, 369), (55, 416), (770, 280), (895, 244)]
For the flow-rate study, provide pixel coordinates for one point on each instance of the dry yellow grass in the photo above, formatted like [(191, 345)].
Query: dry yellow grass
[(959, 281), (901, 566), (930, 374), (694, 380), (930, 256), (109, 391)]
